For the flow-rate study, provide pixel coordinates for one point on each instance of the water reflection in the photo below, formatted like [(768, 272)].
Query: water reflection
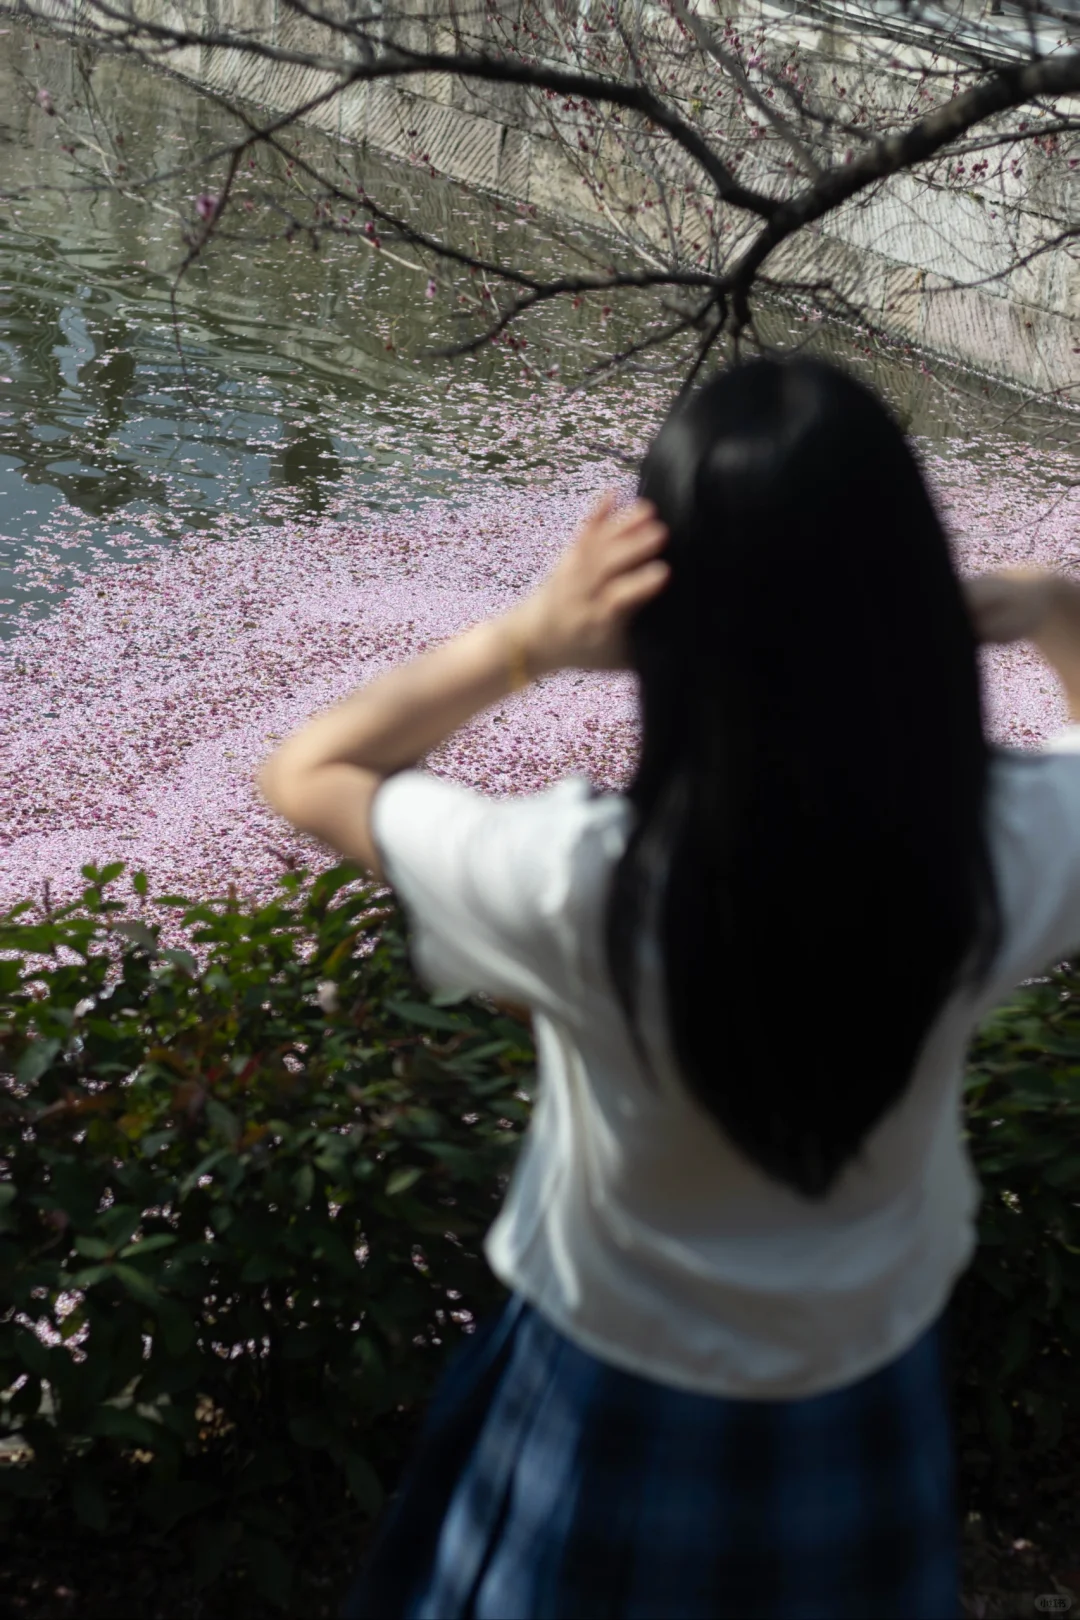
[(80, 373), (286, 374), (307, 464), (295, 374)]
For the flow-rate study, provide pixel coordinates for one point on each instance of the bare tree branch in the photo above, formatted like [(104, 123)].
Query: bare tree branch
[(730, 65), (701, 146), (1010, 87), (399, 62)]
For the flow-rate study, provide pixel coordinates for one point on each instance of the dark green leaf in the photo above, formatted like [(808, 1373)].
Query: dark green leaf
[(214, 1540), (120, 1223), (88, 1500), (137, 932), (176, 1326), (35, 1356), (314, 1429), (166, 1504), (93, 1248), (418, 1012), (271, 1572), (1065, 1173), (223, 1120), (401, 1180), (148, 1245), (364, 1483), (154, 1141), (38, 1056), (259, 1268), (90, 1276), (180, 958), (138, 1286), (123, 1423), (1016, 1346)]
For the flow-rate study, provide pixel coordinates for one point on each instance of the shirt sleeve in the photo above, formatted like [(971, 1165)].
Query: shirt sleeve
[(1066, 742), (485, 884), (1041, 870)]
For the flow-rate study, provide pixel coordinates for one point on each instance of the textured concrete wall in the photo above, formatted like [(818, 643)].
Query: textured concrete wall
[(897, 257)]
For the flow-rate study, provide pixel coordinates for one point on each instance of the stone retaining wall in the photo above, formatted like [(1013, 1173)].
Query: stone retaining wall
[(898, 257)]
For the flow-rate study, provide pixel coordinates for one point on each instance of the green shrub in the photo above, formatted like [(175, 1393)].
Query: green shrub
[(245, 1218), (1017, 1309), (245, 1225)]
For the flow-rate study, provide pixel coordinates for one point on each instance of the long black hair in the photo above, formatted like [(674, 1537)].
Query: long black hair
[(810, 793)]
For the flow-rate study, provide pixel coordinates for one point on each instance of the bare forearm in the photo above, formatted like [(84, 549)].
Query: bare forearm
[(397, 718), (325, 779), (1058, 640)]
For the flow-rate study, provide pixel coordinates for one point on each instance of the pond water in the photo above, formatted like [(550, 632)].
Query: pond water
[(226, 500), (275, 379)]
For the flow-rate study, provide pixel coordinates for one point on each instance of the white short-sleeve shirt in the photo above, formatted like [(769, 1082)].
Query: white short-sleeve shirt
[(632, 1223)]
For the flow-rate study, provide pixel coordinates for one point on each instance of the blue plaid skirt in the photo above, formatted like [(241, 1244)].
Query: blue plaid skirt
[(550, 1485)]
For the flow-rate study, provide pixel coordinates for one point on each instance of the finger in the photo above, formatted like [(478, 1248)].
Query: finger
[(615, 521), (1002, 606), (631, 517), (633, 590), (601, 509), (625, 527), (627, 552)]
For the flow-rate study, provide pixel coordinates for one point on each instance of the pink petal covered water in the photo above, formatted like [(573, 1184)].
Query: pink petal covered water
[(134, 717)]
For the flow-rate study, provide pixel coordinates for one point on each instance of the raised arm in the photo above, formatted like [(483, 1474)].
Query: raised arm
[(1036, 605), (325, 776)]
